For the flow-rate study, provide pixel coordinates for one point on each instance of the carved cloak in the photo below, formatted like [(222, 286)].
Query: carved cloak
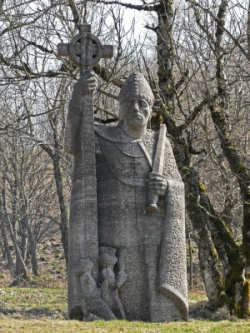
[(153, 246)]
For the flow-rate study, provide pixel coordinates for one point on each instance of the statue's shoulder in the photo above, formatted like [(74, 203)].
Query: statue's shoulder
[(106, 132), (151, 137)]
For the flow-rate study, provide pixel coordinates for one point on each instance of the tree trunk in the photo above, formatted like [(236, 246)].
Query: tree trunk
[(32, 251), (191, 283), (194, 194), (34, 263), (10, 263), (55, 156), (197, 204), (212, 278), (20, 270), (236, 287), (64, 218)]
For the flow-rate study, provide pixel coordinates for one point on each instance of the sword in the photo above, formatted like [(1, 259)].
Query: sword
[(158, 165)]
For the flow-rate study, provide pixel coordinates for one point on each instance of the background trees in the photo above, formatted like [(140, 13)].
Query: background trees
[(196, 56), (27, 202)]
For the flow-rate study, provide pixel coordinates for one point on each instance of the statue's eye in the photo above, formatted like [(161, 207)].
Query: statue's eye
[(143, 103)]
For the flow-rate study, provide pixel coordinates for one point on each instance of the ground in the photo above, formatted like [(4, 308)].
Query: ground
[(40, 306)]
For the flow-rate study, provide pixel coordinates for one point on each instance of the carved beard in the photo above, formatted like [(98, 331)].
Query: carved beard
[(137, 120)]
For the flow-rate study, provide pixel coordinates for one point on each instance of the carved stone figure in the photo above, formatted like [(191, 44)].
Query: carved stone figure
[(140, 211), (127, 255), (110, 284), (93, 305)]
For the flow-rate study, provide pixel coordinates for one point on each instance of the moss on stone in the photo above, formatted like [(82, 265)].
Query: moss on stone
[(234, 275), (242, 166), (227, 230), (214, 252), (202, 187), (246, 298)]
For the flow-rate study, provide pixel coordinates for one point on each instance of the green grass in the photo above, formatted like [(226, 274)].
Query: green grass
[(36, 310), (59, 326), (196, 296), (33, 302)]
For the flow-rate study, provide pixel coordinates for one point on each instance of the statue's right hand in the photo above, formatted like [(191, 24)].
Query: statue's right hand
[(85, 86)]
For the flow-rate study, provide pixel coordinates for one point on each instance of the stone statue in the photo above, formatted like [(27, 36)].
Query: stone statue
[(151, 247), (133, 231)]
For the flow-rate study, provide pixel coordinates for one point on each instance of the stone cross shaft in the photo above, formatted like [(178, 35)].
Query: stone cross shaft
[(85, 50)]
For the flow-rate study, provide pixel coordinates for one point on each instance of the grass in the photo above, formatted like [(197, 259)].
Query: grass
[(33, 302), (36, 310), (196, 296), (59, 326)]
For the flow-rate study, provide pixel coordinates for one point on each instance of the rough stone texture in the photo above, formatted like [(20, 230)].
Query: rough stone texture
[(142, 256), (85, 299)]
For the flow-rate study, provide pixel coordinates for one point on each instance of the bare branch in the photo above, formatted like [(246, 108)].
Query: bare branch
[(152, 7), (75, 13), (40, 47), (236, 41), (248, 30), (197, 110)]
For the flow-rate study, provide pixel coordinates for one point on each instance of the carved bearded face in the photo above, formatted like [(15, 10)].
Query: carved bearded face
[(135, 112), (136, 101)]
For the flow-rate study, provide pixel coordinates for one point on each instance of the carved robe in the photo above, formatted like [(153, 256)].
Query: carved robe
[(150, 248)]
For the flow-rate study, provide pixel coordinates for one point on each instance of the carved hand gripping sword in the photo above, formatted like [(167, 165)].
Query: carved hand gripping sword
[(85, 50)]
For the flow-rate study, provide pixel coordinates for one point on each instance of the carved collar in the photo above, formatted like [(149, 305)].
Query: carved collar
[(117, 135)]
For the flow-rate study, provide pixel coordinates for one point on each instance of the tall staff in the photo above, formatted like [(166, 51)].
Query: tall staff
[(85, 50)]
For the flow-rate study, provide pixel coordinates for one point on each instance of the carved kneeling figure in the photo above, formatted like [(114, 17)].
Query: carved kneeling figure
[(92, 303), (110, 284)]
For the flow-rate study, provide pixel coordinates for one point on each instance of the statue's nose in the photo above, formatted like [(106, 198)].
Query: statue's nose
[(136, 106)]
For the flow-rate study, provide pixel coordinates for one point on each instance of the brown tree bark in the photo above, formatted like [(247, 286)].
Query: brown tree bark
[(55, 157), (199, 217), (6, 247), (235, 283)]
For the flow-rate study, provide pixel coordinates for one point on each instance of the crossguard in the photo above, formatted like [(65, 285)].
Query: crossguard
[(85, 49)]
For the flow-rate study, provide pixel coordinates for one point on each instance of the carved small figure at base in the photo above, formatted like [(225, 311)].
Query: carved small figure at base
[(92, 303), (110, 286)]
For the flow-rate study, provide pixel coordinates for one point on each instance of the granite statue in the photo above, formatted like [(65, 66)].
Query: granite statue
[(127, 256)]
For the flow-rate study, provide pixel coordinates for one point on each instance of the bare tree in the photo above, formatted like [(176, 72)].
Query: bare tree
[(197, 67), (199, 55), (26, 203)]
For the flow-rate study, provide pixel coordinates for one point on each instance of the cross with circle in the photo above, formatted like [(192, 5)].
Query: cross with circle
[(85, 49)]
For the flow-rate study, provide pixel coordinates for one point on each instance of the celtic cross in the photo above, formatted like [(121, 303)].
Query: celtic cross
[(85, 50)]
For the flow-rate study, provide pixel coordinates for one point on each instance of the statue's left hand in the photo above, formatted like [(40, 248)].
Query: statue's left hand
[(157, 184)]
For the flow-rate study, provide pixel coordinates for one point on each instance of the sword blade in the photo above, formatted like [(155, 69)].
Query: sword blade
[(158, 163)]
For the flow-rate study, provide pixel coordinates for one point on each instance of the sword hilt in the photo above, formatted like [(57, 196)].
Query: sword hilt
[(152, 200)]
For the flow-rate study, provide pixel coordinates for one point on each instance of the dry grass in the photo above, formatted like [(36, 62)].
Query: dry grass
[(60, 326), (35, 310)]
